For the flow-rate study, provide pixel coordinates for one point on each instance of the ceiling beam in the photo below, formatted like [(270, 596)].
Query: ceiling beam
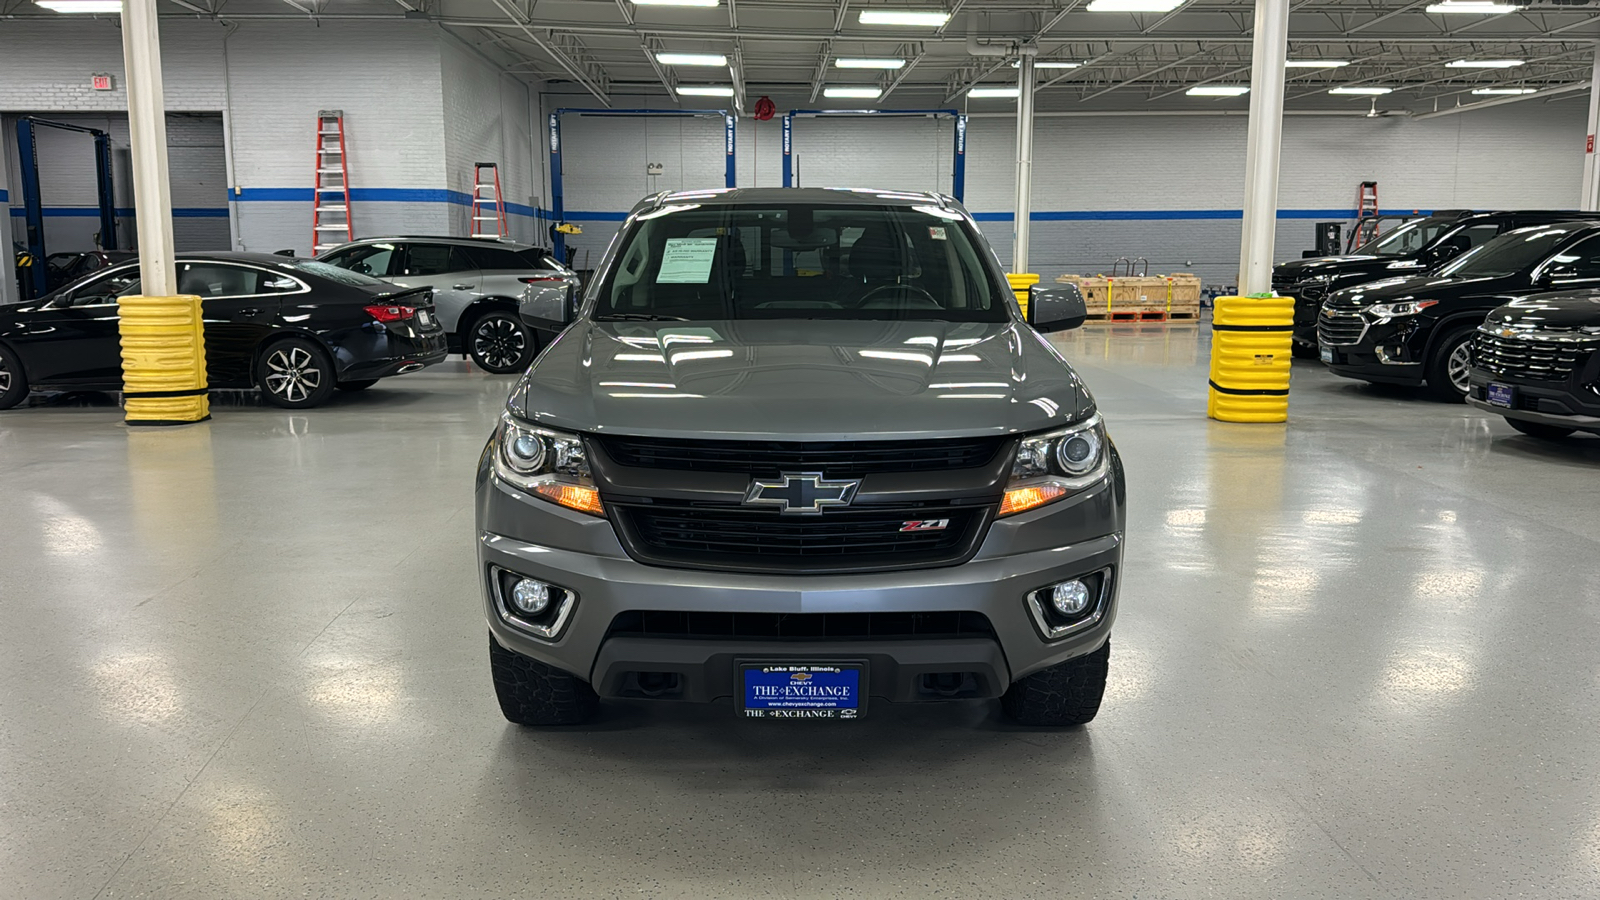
[(1501, 101), (574, 68), (913, 56), (1171, 65)]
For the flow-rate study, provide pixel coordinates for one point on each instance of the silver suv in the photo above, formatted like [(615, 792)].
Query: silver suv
[(800, 450), (475, 282)]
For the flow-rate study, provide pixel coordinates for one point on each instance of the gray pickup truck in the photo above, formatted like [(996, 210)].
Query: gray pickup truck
[(800, 450)]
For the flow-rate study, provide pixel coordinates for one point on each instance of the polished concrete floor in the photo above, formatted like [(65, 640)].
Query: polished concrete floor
[(1358, 656)]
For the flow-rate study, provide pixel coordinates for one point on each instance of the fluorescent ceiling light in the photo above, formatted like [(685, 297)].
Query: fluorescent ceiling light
[(863, 93), (1484, 7), (1484, 64), (927, 18), (1315, 63), (704, 90), (994, 92), (1218, 90), (81, 6), (1363, 91), (1133, 5), (1509, 91), (706, 3), (691, 59), (869, 62), (1049, 64)]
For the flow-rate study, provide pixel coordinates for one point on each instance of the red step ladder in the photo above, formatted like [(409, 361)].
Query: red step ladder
[(1366, 216), (488, 209), (330, 200)]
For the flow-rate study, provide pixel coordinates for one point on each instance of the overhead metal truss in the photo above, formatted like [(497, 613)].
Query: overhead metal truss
[(789, 47)]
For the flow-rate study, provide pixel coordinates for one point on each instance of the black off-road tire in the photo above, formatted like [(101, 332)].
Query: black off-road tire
[(499, 343), (1441, 367), (358, 385), (1540, 430), (13, 381), (295, 373), (532, 693), (1067, 694)]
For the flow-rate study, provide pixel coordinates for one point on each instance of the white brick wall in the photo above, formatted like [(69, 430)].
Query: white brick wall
[(45, 66), (486, 120)]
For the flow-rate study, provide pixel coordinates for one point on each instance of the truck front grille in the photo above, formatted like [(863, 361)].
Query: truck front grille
[(1527, 356), (1340, 328), (857, 538), (836, 459), (799, 626)]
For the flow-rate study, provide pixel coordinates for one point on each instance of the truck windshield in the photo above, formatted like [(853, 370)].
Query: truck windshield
[(1507, 254), (690, 262), (1407, 240)]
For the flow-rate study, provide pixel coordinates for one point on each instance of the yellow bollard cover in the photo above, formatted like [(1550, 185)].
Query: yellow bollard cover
[(1250, 357), (163, 360), (1020, 285)]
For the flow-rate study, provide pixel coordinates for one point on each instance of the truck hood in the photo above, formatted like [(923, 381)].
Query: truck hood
[(801, 380), (1340, 267), (1574, 310), (1424, 287)]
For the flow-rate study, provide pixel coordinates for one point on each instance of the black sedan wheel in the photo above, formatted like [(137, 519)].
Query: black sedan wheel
[(13, 382), (499, 343), (295, 374)]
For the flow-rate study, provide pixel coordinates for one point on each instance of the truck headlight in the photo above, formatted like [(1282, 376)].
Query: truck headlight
[(1397, 310), (551, 465), (1059, 464)]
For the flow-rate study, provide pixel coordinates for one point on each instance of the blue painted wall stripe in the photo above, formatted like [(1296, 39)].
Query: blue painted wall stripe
[(375, 195)]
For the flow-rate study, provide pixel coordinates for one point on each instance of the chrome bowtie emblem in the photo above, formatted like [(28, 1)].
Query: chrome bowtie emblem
[(801, 493)]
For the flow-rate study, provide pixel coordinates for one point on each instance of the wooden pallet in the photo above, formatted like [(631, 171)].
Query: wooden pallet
[(1124, 314)]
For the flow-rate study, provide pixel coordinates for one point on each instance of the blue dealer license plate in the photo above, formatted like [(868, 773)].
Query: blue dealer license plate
[(1500, 394), (802, 690)]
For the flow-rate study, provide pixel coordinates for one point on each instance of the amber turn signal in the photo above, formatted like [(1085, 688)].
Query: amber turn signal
[(1023, 499), (582, 499)]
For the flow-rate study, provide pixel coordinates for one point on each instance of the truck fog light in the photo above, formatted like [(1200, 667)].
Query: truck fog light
[(532, 597), (1070, 597)]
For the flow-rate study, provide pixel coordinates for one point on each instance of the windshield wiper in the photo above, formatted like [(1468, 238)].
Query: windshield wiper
[(639, 317)]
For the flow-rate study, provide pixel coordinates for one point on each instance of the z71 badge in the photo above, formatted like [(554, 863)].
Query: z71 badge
[(925, 525)]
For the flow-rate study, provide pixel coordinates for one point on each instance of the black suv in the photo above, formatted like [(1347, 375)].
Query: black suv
[(1534, 362), (1415, 247), (1417, 330)]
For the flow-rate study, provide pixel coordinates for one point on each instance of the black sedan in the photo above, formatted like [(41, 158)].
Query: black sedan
[(294, 328), (1536, 361), (1418, 330)]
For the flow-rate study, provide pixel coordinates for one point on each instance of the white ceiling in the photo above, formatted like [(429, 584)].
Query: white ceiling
[(784, 48)]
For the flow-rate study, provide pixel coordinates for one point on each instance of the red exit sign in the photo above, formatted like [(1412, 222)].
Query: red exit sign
[(100, 82)]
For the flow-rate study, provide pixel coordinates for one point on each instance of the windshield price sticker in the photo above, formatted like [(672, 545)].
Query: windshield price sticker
[(937, 232), (830, 691), (687, 261)]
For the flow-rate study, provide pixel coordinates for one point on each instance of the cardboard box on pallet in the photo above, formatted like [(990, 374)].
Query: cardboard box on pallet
[(1175, 296)]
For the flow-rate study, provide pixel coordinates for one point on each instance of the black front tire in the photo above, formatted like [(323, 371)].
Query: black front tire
[(1301, 351), (1539, 430), (499, 343), (1066, 694), (295, 373), (13, 381), (532, 693), (358, 385), (1447, 367)]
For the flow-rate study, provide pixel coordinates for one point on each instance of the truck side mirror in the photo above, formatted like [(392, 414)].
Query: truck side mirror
[(1556, 273), (1056, 308), (551, 305)]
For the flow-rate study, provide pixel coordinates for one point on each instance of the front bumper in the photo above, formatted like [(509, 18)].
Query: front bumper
[(582, 554), (1564, 404), (1387, 352)]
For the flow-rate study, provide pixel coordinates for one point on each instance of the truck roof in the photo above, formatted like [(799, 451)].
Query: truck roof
[(787, 196)]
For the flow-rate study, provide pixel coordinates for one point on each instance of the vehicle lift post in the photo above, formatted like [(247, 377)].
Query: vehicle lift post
[(558, 210), (33, 203), (958, 169)]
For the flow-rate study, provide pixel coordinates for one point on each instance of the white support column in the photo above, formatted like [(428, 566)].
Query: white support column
[(1589, 201), (1024, 204), (147, 125), (1265, 137)]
